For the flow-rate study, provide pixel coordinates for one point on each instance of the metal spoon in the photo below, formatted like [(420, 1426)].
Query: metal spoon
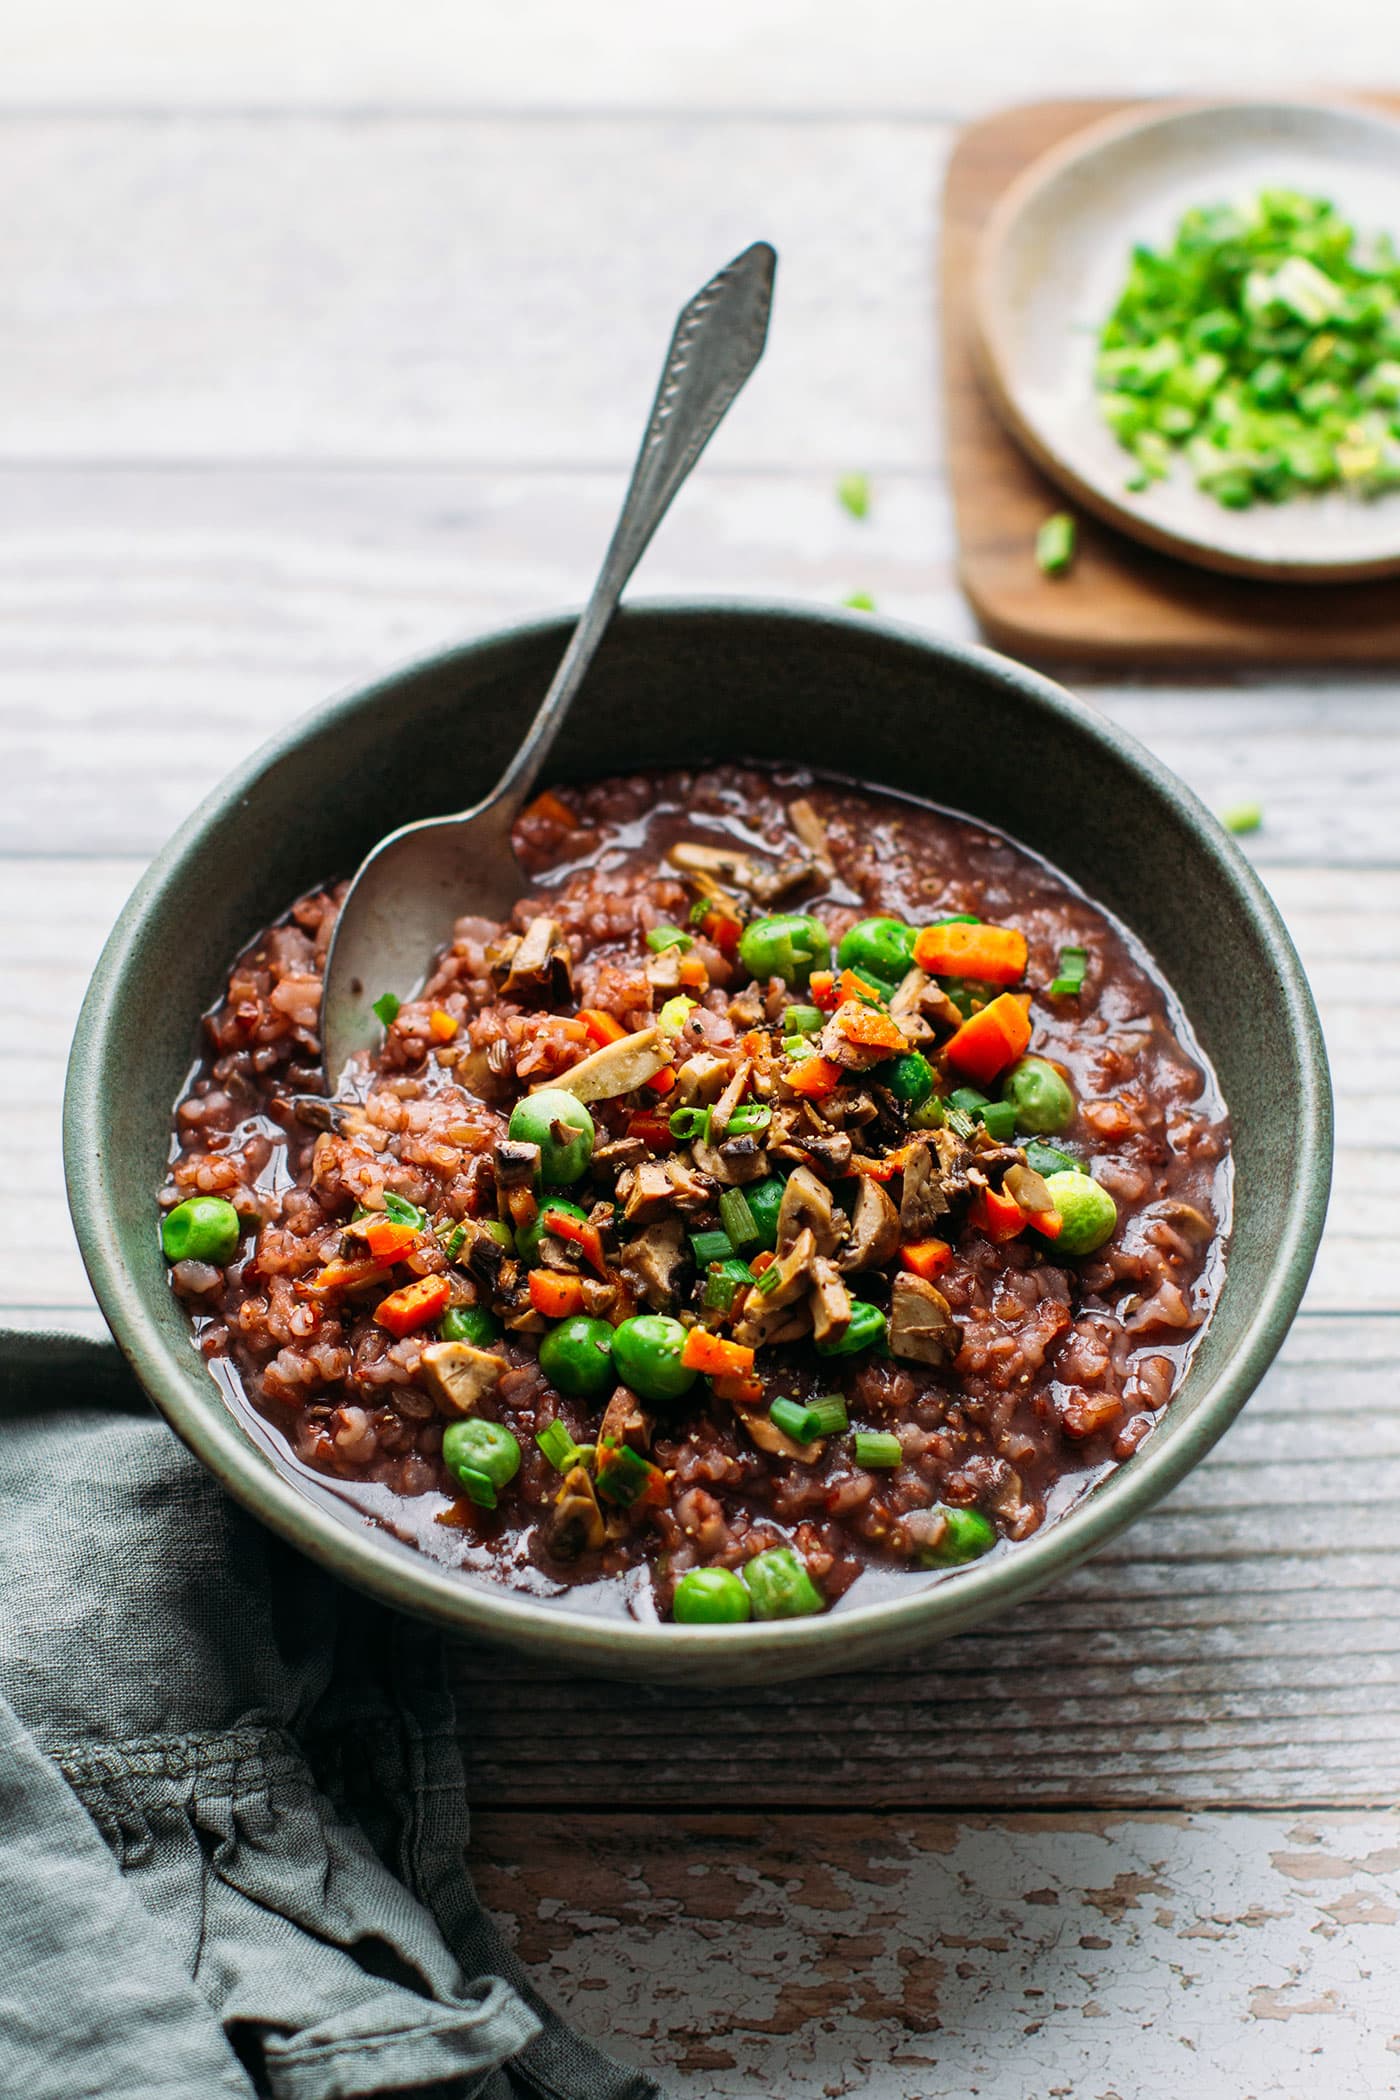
[(400, 907)]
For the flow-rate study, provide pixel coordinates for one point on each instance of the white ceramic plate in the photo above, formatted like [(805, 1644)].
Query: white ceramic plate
[(1053, 259)]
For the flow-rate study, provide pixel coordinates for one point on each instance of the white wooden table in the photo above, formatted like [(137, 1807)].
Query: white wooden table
[(324, 340)]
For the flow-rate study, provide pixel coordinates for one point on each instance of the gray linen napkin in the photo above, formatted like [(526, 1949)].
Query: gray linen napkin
[(232, 1813)]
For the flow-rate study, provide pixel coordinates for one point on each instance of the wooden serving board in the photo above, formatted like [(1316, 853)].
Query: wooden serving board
[(1123, 603)]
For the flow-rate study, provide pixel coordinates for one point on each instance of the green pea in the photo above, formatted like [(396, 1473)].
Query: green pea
[(789, 945), (968, 1535), (646, 1354), (765, 1200), (1041, 1098), (710, 1597), (561, 1127), (204, 1228), (470, 1323), (909, 1078), (780, 1586), (885, 946), (527, 1241), (866, 1329), (480, 1450), (576, 1357), (1088, 1214)]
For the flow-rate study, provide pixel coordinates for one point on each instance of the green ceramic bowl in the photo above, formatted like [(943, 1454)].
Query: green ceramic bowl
[(676, 684)]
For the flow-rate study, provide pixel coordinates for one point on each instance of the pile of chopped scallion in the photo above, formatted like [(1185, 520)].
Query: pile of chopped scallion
[(1264, 344)]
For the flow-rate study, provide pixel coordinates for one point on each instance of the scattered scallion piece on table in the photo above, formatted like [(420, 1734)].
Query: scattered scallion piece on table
[(1241, 817), (877, 1448), (853, 494), (1262, 343), (387, 1007), (1069, 982), (1054, 545), (859, 601)]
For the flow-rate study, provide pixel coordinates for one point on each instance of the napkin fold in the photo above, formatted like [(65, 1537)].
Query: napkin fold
[(232, 1806)]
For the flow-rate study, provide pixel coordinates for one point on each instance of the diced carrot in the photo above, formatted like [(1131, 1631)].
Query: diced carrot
[(1047, 1221), (824, 994), (441, 1025), (579, 1233), (691, 971), (813, 1078), (704, 1351), (416, 1305), (999, 1216), (991, 1040), (653, 1130), (743, 1388), (662, 1082), (555, 1294), (986, 954), (763, 1261), (849, 986), (869, 1026), (717, 926), (387, 1238), (926, 1258), (552, 809), (602, 1028), (343, 1276), (756, 1044)]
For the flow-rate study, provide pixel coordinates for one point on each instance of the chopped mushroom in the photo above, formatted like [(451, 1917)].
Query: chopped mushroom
[(806, 1207), (701, 1079), (694, 859), (1027, 1188), (812, 832), (732, 1164), (617, 1068), (650, 1262), (831, 1301), (645, 1193), (516, 1163), (729, 1100), (840, 1039), (874, 1236), (765, 1319), (576, 1523), (536, 967), (922, 1327), (460, 1374), (924, 1201), (777, 1443), (921, 1006), (625, 1421)]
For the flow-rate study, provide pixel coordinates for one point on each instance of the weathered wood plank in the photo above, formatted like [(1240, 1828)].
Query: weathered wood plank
[(926, 1957)]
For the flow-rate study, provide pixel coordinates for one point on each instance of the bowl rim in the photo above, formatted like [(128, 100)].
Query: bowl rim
[(995, 365), (413, 1583)]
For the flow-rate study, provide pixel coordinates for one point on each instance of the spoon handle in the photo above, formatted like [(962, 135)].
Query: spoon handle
[(719, 339)]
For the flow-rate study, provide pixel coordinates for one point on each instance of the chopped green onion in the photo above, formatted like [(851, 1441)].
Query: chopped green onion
[(478, 1486), (674, 1014), (999, 1121), (959, 1121), (967, 1536), (1048, 1159), (1242, 817), (724, 1282), (452, 1242), (404, 1213), (795, 1420), (751, 1115), (1054, 544), (859, 601), (661, 938), (853, 494), (928, 1115), (768, 1282), (1070, 981), (710, 1246), (968, 1099), (829, 1414), (799, 1047), (558, 1446), (386, 1006), (691, 1123), (803, 1020), (875, 1447), (738, 1220), (622, 1475), (959, 918)]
